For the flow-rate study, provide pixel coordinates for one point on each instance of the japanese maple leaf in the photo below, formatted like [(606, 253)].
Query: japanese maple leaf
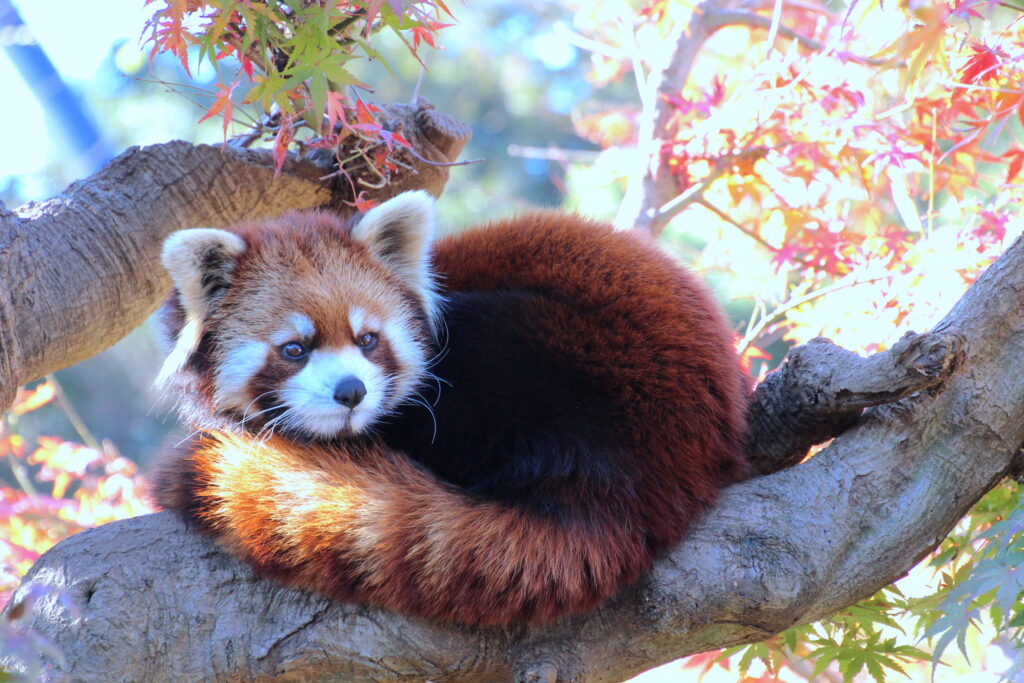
[(363, 204), (982, 65), (222, 104), (284, 137)]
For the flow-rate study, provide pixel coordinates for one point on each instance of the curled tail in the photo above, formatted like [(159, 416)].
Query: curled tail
[(359, 522)]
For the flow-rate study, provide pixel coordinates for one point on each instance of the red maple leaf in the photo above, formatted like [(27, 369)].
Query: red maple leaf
[(222, 104), (982, 66), (1016, 157), (284, 137), (363, 204)]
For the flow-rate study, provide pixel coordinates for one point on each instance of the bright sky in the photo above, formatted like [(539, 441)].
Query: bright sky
[(77, 36)]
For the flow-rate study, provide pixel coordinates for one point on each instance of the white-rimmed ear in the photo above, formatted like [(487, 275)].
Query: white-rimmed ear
[(400, 233), (200, 262)]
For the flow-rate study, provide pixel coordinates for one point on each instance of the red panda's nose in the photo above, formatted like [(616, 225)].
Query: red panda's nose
[(349, 392)]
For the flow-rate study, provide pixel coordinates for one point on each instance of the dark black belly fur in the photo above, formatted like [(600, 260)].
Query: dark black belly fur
[(513, 421)]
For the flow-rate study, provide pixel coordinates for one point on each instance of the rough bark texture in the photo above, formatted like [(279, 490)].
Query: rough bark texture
[(81, 270), (821, 389), (155, 602)]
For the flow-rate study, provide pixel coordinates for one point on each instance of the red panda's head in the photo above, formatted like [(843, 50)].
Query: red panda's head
[(303, 325)]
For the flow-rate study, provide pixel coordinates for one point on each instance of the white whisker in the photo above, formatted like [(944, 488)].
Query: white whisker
[(419, 400), (245, 412)]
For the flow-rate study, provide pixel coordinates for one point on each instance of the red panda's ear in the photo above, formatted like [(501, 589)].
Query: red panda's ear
[(399, 233), (200, 262)]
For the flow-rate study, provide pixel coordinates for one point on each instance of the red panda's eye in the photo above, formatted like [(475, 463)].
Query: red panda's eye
[(367, 341), (293, 351)]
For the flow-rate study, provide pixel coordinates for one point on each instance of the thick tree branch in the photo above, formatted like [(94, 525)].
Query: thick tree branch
[(80, 271), (821, 389), (157, 602)]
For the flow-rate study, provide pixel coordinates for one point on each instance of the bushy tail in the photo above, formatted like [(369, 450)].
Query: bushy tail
[(362, 523)]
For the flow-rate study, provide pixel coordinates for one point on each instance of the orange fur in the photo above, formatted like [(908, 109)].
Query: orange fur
[(364, 523)]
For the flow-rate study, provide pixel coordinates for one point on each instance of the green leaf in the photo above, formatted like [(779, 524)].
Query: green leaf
[(341, 76), (318, 97), (850, 668), (372, 53), (876, 670), (295, 77), (755, 651)]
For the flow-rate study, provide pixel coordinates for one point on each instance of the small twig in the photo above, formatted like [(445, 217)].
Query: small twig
[(21, 476), (782, 309), (674, 206), (553, 153), (728, 219), (419, 82), (442, 164), (694, 194), (253, 54), (802, 667), (773, 30), (643, 83), (174, 88), (720, 18), (344, 24), (73, 417), (17, 468), (589, 44), (245, 140)]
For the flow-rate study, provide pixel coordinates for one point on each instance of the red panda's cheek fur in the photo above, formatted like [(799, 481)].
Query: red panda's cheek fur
[(271, 377)]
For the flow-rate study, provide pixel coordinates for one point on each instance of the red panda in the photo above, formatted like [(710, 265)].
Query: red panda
[(505, 427)]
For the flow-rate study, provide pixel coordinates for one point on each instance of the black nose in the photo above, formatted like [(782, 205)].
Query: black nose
[(349, 392)]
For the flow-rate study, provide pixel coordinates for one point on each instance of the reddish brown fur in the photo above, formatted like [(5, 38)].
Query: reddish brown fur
[(377, 529), (356, 521)]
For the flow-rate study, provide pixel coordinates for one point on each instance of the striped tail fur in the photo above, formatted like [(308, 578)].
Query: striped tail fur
[(360, 523)]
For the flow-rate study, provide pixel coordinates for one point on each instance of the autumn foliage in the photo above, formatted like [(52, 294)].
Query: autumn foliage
[(290, 62), (62, 488), (852, 177)]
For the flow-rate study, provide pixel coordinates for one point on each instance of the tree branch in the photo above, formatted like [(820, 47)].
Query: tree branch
[(733, 17), (821, 389), (653, 186), (653, 196), (158, 602), (81, 270)]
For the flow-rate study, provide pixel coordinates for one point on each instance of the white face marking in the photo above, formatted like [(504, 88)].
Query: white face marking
[(356, 320), (409, 354), (309, 394), (240, 363), (299, 328)]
